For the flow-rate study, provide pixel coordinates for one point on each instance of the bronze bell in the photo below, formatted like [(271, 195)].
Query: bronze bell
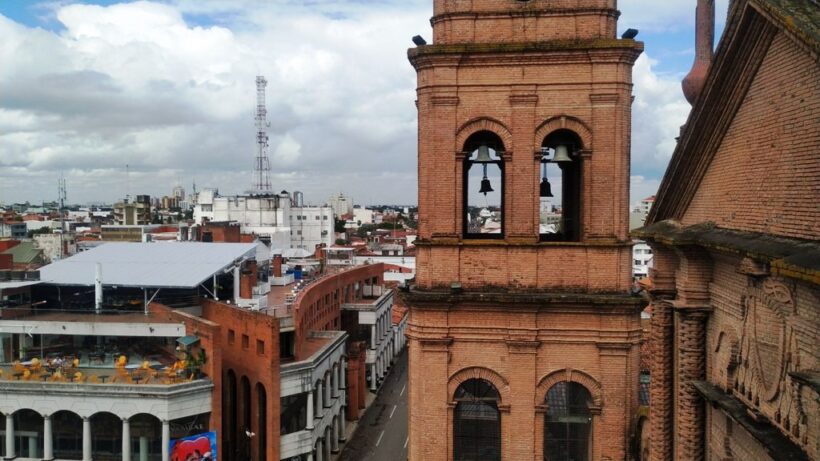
[(561, 154), (483, 155), (485, 186), (546, 189)]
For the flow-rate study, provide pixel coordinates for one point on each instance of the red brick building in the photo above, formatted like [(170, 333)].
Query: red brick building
[(735, 362), (524, 340)]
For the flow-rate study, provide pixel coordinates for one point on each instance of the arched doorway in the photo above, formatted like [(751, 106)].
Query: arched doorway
[(568, 423), (3, 435), (146, 437), (476, 422), (28, 434), (106, 437), (67, 430), (245, 425), (262, 421), (229, 416)]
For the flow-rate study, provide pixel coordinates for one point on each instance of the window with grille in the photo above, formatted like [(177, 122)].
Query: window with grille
[(476, 422)]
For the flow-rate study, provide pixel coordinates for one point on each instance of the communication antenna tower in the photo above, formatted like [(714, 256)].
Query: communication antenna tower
[(61, 194), (261, 171)]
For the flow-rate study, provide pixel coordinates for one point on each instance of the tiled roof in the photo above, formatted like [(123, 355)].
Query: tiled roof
[(24, 253)]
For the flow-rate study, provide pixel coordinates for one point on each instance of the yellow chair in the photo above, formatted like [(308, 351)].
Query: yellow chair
[(122, 361), (78, 377), (93, 379), (26, 375)]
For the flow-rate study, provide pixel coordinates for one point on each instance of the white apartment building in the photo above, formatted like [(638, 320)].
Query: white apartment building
[(341, 204), (362, 216), (271, 216), (311, 226)]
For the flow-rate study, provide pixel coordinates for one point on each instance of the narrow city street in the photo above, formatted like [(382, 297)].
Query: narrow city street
[(382, 432)]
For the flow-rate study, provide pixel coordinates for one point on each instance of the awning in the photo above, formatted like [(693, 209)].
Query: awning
[(188, 341)]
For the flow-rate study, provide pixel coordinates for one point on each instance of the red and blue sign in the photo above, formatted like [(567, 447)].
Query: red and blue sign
[(200, 447)]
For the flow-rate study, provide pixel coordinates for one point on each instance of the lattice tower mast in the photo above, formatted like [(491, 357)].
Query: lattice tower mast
[(262, 168)]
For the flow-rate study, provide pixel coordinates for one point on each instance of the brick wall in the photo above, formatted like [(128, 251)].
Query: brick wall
[(211, 342), (523, 349), (249, 346), (482, 21), (318, 306), (766, 174)]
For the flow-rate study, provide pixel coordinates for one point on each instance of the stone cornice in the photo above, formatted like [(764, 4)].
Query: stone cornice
[(521, 300), (549, 52), (451, 241), (525, 13), (788, 257)]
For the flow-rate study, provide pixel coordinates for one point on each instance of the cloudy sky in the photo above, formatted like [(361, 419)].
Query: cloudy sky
[(167, 87)]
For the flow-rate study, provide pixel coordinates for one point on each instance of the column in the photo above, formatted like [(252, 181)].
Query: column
[(342, 438), (343, 375), (10, 437), (143, 448), (320, 451), (660, 387), (310, 456), (166, 439), (326, 446), (310, 410), (48, 439), (336, 374), (373, 377), (334, 436), (126, 440), (691, 367), (328, 386), (86, 439), (236, 277), (320, 395), (373, 336)]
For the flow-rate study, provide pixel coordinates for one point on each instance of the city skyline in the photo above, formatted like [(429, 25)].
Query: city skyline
[(167, 88)]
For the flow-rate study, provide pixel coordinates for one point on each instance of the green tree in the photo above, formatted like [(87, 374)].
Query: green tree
[(40, 231)]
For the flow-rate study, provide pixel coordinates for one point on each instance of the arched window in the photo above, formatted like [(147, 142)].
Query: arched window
[(483, 186), (476, 422), (560, 187), (568, 424)]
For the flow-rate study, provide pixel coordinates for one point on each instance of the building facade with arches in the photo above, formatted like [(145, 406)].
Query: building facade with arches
[(523, 336)]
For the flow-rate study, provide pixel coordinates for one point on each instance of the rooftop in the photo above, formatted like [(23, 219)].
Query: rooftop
[(157, 265)]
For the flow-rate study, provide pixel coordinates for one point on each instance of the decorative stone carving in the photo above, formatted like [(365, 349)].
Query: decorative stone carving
[(764, 340)]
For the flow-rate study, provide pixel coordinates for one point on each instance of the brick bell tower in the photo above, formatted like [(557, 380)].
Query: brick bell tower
[(524, 338)]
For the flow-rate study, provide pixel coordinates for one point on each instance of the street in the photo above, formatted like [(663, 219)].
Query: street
[(382, 432)]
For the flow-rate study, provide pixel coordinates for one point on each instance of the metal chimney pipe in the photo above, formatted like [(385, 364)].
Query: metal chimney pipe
[(704, 43), (98, 289)]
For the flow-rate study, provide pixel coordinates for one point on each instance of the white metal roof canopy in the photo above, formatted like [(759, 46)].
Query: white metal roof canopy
[(152, 265)]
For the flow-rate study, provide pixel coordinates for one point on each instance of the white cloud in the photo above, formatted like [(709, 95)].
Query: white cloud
[(657, 114), (664, 16), (168, 88), (140, 84)]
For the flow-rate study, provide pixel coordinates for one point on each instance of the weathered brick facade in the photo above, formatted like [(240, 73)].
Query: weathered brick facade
[(736, 314), (515, 311)]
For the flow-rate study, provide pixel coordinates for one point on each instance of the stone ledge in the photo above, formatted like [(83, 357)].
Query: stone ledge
[(778, 445), (527, 299), (789, 257), (525, 47)]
